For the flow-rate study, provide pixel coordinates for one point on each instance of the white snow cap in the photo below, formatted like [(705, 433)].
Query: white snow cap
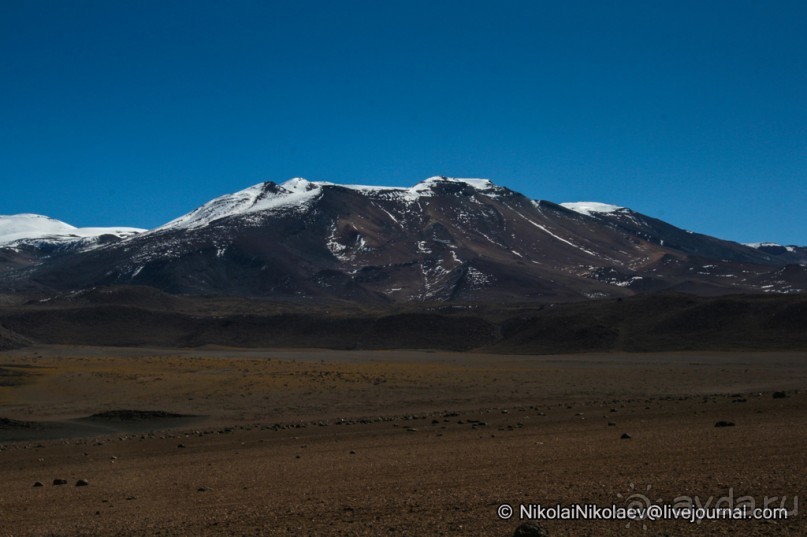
[(588, 207), (35, 226), (479, 184), (423, 186), (260, 197)]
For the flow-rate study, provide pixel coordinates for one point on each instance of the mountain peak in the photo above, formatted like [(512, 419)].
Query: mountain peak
[(296, 192), (299, 184), (453, 185)]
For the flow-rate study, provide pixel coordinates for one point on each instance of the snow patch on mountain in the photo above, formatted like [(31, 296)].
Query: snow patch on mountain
[(550, 233), (589, 207), (759, 245), (479, 184)]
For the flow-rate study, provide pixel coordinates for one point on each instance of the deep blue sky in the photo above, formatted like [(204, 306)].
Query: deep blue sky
[(134, 112)]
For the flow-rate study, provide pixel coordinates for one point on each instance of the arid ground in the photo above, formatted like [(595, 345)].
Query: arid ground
[(394, 443)]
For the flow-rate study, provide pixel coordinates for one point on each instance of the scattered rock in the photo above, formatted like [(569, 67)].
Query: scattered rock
[(611, 424), (625, 436), (779, 395), (60, 481), (38, 484), (203, 489), (180, 445), (531, 529), (82, 483), (723, 423)]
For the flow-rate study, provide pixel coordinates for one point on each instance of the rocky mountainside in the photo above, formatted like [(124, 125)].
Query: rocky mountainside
[(442, 240)]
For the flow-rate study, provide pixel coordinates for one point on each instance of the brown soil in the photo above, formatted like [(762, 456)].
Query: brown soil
[(299, 442)]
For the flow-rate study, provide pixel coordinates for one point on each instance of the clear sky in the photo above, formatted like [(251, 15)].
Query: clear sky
[(135, 112)]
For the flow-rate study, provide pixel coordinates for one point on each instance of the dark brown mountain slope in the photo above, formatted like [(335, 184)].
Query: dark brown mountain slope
[(443, 240)]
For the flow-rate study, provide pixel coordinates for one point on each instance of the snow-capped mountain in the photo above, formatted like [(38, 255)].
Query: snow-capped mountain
[(31, 238), (771, 248), (441, 239), (31, 227)]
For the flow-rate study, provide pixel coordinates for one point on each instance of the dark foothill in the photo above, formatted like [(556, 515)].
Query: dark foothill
[(531, 529), (131, 415)]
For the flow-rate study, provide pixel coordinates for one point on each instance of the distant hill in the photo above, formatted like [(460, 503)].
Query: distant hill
[(134, 316)]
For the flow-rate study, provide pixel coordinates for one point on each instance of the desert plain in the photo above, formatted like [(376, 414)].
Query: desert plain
[(293, 442)]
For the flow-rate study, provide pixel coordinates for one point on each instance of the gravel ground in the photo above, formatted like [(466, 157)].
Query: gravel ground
[(403, 443)]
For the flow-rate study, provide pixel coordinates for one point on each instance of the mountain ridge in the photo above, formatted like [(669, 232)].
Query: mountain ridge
[(444, 239)]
